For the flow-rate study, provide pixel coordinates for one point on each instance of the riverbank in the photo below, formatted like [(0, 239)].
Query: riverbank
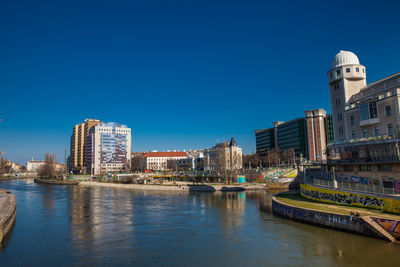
[(369, 222), (8, 211), (181, 187), (55, 182)]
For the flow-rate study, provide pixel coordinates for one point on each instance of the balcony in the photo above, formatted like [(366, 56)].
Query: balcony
[(369, 122)]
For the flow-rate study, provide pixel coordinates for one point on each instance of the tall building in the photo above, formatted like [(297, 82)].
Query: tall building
[(108, 148), (223, 156), (346, 78), (366, 122), (77, 158), (360, 110), (316, 134), (307, 136)]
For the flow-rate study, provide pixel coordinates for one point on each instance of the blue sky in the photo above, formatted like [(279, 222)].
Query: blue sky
[(182, 74)]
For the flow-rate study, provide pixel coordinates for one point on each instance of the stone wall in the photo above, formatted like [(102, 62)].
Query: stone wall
[(330, 220), (8, 211)]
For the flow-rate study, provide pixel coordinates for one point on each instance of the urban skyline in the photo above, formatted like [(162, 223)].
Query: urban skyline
[(238, 70)]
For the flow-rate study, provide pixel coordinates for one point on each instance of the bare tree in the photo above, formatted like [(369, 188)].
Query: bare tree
[(5, 166), (273, 157), (49, 169), (128, 166), (172, 165), (137, 163)]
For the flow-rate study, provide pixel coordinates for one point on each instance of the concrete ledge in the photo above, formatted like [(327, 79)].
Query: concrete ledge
[(8, 212), (56, 182), (325, 219)]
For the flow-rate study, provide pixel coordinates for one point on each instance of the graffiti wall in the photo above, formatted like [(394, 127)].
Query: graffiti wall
[(351, 199), (391, 226)]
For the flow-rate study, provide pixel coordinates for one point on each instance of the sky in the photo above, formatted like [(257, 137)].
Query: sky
[(182, 74)]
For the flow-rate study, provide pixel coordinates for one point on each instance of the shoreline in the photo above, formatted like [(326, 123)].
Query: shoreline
[(179, 188), (365, 225), (8, 212)]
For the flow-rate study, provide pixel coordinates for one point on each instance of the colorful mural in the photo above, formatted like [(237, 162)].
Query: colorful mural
[(391, 226), (352, 199)]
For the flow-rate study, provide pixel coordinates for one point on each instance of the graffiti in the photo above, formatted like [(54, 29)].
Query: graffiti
[(297, 213), (344, 198), (331, 218), (391, 226)]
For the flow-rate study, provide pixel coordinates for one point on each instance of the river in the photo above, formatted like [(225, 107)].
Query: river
[(86, 226)]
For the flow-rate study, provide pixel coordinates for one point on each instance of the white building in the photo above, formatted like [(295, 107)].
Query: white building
[(108, 148), (34, 165), (158, 160)]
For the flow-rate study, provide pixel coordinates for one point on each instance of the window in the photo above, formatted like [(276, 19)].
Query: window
[(347, 69), (390, 129), (357, 69), (365, 167), (373, 112), (364, 111), (330, 74), (339, 116), (385, 167), (364, 133), (348, 168), (352, 119), (340, 130), (353, 135), (363, 70), (388, 110), (376, 130), (338, 72)]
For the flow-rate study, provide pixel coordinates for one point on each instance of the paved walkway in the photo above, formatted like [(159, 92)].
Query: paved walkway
[(8, 205)]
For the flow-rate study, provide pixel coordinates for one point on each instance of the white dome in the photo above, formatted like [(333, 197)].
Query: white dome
[(344, 58)]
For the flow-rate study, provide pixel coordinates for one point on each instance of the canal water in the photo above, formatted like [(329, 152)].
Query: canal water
[(86, 226)]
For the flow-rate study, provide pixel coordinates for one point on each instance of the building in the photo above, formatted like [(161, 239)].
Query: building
[(316, 134), (223, 156), (77, 158), (306, 136), (108, 148), (366, 120), (158, 161), (34, 165)]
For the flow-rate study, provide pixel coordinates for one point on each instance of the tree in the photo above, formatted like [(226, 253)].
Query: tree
[(137, 163), (5, 166), (172, 164), (23, 168), (48, 170), (128, 167), (273, 157), (251, 161)]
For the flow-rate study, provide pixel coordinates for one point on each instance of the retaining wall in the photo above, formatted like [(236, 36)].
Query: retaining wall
[(8, 211), (344, 197), (331, 220)]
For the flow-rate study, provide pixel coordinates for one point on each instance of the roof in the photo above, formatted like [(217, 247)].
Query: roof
[(36, 161), (233, 142), (344, 58), (164, 154)]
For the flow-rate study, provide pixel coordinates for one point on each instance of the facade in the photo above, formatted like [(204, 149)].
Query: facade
[(158, 161), (34, 165), (366, 119), (108, 148), (265, 140), (77, 158), (316, 134), (223, 156), (284, 135)]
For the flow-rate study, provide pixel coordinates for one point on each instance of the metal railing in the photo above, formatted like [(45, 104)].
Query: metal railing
[(368, 188)]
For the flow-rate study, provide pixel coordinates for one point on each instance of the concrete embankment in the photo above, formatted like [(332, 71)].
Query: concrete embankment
[(8, 211), (336, 221), (175, 188), (56, 182)]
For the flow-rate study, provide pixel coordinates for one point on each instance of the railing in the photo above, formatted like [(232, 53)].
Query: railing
[(354, 186)]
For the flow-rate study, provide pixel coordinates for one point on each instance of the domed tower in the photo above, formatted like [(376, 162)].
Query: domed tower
[(346, 78)]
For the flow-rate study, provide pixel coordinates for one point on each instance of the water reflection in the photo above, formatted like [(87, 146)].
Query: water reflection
[(74, 225)]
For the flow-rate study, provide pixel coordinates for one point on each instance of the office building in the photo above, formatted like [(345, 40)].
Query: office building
[(108, 148), (77, 158)]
